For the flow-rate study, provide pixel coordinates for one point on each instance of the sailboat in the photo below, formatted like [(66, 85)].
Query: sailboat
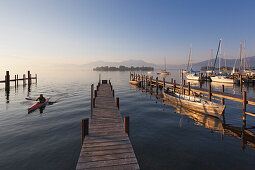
[(248, 72), (192, 75), (187, 69), (164, 72), (222, 78)]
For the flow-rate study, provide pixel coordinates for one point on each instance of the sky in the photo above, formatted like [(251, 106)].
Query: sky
[(45, 32)]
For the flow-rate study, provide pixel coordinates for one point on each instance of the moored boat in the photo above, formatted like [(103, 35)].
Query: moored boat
[(134, 82), (195, 104)]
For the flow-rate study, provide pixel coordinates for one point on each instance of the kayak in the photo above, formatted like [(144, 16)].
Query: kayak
[(37, 105)]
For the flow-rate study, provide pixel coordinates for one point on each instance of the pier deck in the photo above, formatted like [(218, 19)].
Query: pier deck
[(107, 146)]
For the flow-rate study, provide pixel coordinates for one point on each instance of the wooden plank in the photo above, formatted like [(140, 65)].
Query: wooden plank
[(251, 114), (106, 146)]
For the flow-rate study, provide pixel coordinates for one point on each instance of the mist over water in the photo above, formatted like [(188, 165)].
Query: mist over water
[(163, 136)]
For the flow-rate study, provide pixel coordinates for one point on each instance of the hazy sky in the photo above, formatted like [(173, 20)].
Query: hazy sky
[(81, 31)]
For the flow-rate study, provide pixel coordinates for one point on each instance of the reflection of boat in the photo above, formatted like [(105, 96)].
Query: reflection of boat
[(207, 121), (246, 136), (196, 104), (134, 82)]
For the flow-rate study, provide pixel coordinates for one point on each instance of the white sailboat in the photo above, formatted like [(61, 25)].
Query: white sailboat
[(221, 78), (164, 72), (192, 75)]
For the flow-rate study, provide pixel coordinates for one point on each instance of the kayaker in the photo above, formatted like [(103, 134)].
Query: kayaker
[(41, 99)]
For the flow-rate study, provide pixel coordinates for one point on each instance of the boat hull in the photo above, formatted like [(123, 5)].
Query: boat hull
[(137, 83), (37, 105), (215, 110), (221, 79), (192, 77)]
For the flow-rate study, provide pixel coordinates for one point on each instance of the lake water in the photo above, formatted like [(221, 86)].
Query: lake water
[(163, 136)]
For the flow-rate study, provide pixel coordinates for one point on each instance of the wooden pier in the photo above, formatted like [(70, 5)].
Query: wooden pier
[(105, 140)]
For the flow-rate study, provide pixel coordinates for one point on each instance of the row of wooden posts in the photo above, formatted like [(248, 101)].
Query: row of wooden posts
[(85, 122), (17, 79), (145, 80)]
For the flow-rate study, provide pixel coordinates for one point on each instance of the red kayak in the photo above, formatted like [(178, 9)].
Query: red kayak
[(37, 105)]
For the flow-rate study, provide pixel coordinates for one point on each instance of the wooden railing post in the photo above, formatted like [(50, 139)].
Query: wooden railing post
[(29, 77), (244, 105), (17, 79), (35, 78), (126, 124), (174, 85), (112, 93), (210, 93), (84, 129), (95, 93), (118, 102)]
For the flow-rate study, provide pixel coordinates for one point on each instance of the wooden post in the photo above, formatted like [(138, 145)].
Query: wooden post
[(182, 75), (118, 102), (174, 86), (7, 81), (146, 83), (24, 79), (150, 83), (200, 76), (95, 93), (184, 88), (244, 105), (94, 102), (210, 93), (164, 83), (91, 98), (157, 85), (99, 78), (172, 80), (112, 93), (188, 88), (241, 86), (223, 100), (17, 80), (130, 76), (126, 124), (84, 129), (29, 77), (35, 78)]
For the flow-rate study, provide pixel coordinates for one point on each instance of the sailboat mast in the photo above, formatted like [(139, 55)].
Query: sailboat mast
[(225, 60), (191, 56), (244, 55), (211, 57), (220, 56), (165, 63), (240, 65)]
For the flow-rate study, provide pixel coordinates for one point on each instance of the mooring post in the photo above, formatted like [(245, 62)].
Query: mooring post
[(7, 81), (174, 85), (126, 124), (241, 86), (244, 105), (29, 77), (182, 75), (35, 78), (150, 83), (172, 80), (183, 88), (200, 76), (164, 83), (15, 80), (91, 98), (94, 102), (210, 93), (24, 79), (188, 88), (157, 85), (118, 102), (99, 78), (223, 100), (84, 129), (112, 93), (95, 93)]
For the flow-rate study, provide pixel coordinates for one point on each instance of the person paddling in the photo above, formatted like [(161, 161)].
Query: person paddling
[(41, 99)]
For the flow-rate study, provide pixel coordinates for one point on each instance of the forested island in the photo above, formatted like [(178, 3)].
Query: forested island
[(123, 68)]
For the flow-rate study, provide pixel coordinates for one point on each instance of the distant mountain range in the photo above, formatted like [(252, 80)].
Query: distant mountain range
[(140, 63)]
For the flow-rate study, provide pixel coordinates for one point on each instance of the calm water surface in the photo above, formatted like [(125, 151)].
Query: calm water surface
[(163, 136)]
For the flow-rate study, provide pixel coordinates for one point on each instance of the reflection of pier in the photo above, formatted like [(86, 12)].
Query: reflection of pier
[(26, 81)]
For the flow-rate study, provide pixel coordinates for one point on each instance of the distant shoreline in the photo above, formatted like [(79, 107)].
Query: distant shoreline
[(123, 68)]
